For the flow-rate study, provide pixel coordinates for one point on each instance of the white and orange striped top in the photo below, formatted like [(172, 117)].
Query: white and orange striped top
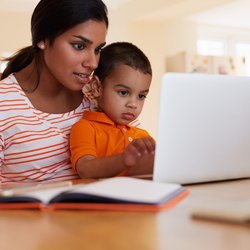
[(33, 144)]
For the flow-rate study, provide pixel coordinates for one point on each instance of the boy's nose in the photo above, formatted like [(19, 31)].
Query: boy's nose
[(132, 103)]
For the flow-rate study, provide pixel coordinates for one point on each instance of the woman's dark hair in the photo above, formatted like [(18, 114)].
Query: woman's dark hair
[(50, 19), (124, 53)]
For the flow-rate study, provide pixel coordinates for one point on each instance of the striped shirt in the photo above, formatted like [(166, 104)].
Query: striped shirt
[(33, 144)]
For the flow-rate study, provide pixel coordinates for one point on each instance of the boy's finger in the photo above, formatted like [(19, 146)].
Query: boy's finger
[(144, 145), (149, 144)]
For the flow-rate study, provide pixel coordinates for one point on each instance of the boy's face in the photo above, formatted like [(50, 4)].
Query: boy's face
[(123, 93)]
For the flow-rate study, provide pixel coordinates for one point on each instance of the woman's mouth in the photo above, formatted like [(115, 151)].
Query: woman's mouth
[(83, 78)]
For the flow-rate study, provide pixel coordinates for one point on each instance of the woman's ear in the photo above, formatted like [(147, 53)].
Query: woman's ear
[(41, 45), (96, 86)]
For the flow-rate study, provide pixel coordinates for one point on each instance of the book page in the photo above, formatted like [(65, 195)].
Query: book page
[(47, 194), (8, 190), (116, 189), (32, 192), (131, 190)]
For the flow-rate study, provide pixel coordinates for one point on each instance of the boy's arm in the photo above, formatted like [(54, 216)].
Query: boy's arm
[(84, 156), (144, 167), (137, 159), (89, 166)]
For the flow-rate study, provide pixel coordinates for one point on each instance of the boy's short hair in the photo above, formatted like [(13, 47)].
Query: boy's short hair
[(122, 53)]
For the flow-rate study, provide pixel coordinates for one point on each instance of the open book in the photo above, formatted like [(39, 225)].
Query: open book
[(118, 193)]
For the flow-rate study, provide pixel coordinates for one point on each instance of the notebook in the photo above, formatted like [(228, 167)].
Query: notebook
[(112, 194), (204, 128)]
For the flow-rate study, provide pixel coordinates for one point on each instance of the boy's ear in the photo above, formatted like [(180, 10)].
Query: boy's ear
[(95, 85)]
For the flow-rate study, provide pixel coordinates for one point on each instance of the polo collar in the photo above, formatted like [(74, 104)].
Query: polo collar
[(102, 118)]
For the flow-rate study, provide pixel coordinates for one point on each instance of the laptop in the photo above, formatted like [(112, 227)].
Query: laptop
[(204, 129)]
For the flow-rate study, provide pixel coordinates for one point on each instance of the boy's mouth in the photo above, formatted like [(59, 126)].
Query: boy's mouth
[(128, 116)]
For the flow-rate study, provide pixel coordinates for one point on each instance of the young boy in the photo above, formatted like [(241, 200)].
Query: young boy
[(103, 144)]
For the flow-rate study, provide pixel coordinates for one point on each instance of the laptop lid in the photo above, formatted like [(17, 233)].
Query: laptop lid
[(204, 128)]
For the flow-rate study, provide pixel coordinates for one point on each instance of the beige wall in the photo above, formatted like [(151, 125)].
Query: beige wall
[(15, 31), (153, 46)]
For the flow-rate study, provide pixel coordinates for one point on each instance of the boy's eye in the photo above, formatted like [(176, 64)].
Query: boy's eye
[(123, 92), (78, 46), (142, 97)]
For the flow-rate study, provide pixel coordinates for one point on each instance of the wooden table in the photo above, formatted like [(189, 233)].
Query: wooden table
[(173, 229)]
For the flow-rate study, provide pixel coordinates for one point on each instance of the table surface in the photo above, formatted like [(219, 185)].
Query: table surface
[(173, 229)]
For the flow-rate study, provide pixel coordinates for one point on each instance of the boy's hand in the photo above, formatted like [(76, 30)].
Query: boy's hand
[(137, 149)]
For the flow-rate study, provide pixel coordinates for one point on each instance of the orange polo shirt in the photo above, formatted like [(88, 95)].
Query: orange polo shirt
[(96, 134)]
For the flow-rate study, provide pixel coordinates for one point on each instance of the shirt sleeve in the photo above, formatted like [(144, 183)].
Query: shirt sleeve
[(1, 153), (82, 141)]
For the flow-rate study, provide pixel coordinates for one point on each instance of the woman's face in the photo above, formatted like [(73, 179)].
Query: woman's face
[(74, 54)]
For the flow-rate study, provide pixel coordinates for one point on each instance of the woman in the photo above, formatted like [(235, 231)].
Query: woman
[(40, 94)]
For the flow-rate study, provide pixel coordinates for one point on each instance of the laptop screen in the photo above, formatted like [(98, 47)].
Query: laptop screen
[(204, 128)]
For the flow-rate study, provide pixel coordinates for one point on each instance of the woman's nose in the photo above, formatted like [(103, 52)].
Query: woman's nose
[(91, 60)]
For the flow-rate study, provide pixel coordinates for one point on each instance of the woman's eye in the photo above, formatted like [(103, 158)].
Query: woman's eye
[(123, 92), (78, 46), (98, 50)]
